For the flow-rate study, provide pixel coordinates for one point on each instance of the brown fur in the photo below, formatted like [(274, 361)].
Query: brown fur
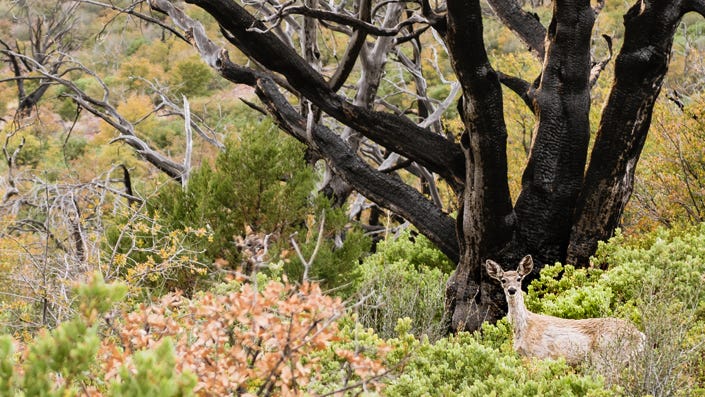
[(537, 335)]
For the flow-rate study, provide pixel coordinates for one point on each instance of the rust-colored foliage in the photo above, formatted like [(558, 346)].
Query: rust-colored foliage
[(247, 342)]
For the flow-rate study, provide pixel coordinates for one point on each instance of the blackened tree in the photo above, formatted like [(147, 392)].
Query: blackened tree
[(50, 37), (570, 199)]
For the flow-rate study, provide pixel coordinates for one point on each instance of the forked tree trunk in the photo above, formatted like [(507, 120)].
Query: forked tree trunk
[(639, 72), (559, 215), (562, 210)]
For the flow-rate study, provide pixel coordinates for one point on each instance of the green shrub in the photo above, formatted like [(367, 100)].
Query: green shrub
[(155, 375), (335, 267), (75, 148), (260, 181), (192, 78), (656, 281), (7, 363), (404, 278), (660, 277), (564, 291), (461, 365), (262, 185)]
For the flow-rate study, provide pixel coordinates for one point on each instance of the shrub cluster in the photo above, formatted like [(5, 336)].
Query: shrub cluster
[(269, 341), (265, 336)]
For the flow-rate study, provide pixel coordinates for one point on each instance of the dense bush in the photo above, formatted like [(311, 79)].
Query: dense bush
[(404, 278), (259, 186), (191, 77), (461, 365), (268, 337), (657, 282), (275, 340)]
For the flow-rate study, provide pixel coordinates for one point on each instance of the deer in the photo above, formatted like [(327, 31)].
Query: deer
[(536, 335)]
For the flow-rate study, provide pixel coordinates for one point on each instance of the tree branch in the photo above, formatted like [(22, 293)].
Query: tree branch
[(437, 21), (104, 110), (526, 25), (598, 67), (140, 15), (396, 133), (347, 20), (385, 190), (520, 87), (353, 49)]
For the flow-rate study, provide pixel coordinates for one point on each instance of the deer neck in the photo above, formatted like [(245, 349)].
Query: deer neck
[(518, 314)]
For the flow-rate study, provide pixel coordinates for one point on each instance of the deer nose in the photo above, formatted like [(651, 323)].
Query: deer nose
[(511, 290)]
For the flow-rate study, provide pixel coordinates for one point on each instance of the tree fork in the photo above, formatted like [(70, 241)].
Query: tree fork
[(639, 72)]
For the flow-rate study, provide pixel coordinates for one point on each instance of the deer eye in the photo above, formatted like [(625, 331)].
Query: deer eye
[(504, 280), (518, 278)]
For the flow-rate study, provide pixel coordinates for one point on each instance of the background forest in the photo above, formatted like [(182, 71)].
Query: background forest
[(179, 243)]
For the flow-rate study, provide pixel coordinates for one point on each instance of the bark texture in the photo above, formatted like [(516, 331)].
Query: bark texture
[(563, 208), (639, 71), (331, 75), (486, 218)]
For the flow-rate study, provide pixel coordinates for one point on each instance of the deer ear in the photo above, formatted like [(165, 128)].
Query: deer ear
[(525, 266), (494, 269)]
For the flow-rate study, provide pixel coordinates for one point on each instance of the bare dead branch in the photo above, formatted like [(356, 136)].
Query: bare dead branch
[(598, 67), (131, 11), (189, 144), (397, 133), (104, 110), (352, 21), (357, 40)]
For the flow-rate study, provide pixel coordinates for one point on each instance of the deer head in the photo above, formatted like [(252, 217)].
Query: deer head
[(510, 280)]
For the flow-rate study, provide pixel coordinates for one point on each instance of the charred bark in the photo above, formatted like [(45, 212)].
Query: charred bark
[(553, 176), (639, 71), (398, 134), (561, 212), (525, 24), (486, 218)]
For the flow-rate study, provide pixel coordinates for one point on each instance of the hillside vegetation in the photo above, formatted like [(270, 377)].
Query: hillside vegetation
[(244, 278)]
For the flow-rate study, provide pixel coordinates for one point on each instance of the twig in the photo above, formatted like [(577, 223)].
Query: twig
[(307, 263)]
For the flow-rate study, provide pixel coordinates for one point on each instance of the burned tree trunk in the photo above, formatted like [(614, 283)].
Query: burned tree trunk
[(486, 220), (639, 71), (559, 215), (366, 139), (561, 211)]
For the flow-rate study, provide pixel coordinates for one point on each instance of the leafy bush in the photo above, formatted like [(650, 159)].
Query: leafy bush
[(192, 78), (260, 181), (657, 282), (151, 255), (272, 340), (249, 340), (404, 278), (661, 277), (75, 148), (461, 365), (261, 184), (64, 362), (564, 291), (669, 189)]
